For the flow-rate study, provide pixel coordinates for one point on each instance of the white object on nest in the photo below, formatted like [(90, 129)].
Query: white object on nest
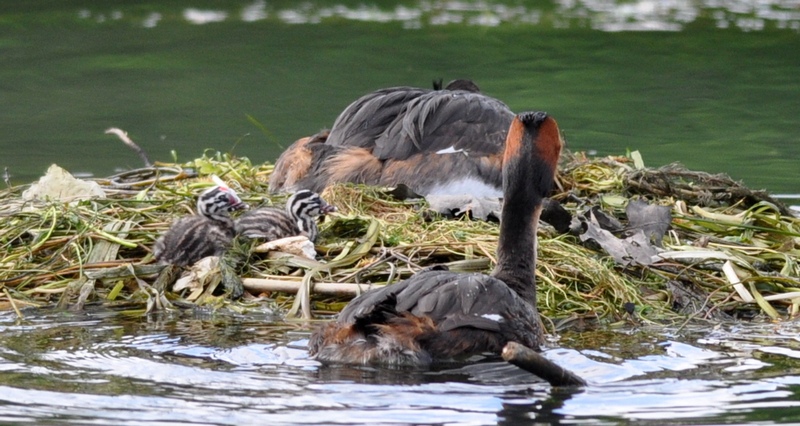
[(59, 184), (298, 245)]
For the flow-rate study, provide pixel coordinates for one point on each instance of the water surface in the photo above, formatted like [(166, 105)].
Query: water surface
[(103, 367)]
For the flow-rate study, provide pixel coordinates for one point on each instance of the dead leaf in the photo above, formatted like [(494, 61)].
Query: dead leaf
[(203, 273), (635, 249), (653, 220)]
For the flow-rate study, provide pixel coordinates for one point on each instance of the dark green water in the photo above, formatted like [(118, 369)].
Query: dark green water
[(715, 99)]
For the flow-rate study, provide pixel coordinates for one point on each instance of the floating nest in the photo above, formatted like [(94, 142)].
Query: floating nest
[(730, 252)]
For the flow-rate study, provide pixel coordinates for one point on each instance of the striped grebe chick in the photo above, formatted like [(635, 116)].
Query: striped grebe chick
[(207, 233), (299, 217), (441, 315)]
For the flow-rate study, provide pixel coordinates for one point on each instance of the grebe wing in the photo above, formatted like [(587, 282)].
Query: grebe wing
[(364, 120), (447, 122), (451, 300)]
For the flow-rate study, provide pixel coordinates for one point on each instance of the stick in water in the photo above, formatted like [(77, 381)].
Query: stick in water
[(123, 135), (533, 362)]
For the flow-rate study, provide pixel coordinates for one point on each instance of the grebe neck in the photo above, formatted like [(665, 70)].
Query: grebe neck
[(530, 158)]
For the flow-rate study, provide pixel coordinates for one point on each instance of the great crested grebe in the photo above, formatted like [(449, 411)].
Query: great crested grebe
[(440, 142), (207, 233), (298, 218), (439, 315)]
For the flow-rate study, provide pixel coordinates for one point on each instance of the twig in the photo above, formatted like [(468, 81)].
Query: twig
[(123, 135), (259, 285), (13, 304), (533, 362)]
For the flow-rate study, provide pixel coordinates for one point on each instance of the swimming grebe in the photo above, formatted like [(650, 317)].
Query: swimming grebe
[(207, 233), (434, 141), (438, 315), (298, 218)]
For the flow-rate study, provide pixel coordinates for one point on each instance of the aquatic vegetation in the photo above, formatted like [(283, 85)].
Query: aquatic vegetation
[(731, 252)]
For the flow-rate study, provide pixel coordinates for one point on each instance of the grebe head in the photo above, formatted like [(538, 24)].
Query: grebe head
[(305, 203), (219, 201), (533, 147), (305, 207), (462, 84)]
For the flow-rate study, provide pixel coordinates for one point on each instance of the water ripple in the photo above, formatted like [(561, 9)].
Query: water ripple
[(230, 371)]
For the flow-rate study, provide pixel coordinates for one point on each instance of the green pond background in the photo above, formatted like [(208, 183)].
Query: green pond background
[(715, 88)]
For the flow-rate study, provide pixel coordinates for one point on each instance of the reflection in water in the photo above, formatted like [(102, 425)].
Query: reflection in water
[(151, 20), (100, 367), (604, 15), (200, 17), (675, 399)]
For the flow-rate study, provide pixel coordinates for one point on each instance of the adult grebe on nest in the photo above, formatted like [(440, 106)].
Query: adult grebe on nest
[(436, 142), (440, 315)]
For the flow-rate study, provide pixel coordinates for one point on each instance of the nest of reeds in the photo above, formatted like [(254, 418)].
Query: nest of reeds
[(730, 252)]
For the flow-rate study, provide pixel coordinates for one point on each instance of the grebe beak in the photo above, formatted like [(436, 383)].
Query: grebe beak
[(235, 203)]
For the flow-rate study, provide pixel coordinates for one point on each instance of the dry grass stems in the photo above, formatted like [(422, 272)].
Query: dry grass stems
[(730, 251)]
